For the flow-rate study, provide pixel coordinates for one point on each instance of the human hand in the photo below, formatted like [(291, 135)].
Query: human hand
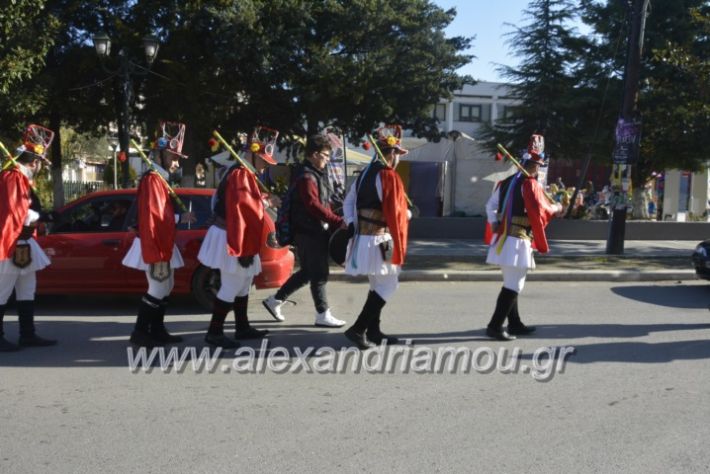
[(187, 217)]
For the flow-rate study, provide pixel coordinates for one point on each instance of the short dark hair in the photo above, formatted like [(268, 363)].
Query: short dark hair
[(317, 143)]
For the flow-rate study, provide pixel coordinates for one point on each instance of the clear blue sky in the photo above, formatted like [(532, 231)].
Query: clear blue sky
[(486, 20)]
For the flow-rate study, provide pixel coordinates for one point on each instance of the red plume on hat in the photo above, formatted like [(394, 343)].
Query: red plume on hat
[(263, 142)]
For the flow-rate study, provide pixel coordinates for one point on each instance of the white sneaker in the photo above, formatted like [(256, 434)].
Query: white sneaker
[(273, 306), (326, 319)]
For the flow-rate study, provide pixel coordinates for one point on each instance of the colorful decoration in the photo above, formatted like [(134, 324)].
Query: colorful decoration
[(213, 144), (37, 140), (170, 137)]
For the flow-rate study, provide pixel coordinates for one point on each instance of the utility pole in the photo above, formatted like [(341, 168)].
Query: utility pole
[(628, 129)]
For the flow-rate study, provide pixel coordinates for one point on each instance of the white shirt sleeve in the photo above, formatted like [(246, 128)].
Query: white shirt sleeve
[(32, 216), (349, 205), (492, 206), (378, 186)]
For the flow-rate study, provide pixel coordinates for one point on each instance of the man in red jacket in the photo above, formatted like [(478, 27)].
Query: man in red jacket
[(153, 250), (518, 212), (233, 242), (20, 255), (376, 207), (313, 221)]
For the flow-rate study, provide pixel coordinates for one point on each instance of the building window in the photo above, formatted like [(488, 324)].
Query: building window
[(469, 113), (440, 112)]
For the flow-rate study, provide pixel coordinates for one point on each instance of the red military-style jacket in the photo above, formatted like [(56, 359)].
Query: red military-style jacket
[(244, 213), (156, 219), (14, 206)]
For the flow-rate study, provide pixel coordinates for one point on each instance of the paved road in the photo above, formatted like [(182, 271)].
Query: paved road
[(633, 398)]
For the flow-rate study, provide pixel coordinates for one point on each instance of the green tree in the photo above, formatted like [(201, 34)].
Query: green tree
[(674, 89), (543, 81)]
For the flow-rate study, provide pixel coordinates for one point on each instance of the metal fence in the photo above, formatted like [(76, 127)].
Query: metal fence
[(76, 189)]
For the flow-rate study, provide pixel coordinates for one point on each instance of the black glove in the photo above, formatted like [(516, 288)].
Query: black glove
[(351, 230), (246, 261)]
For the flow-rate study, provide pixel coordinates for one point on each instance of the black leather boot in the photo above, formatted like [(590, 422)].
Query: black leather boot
[(356, 332), (374, 334), (5, 345), (157, 326), (506, 298), (515, 325), (147, 310), (26, 317), (215, 334), (244, 329)]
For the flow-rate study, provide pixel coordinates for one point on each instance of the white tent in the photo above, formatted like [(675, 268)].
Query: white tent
[(469, 172)]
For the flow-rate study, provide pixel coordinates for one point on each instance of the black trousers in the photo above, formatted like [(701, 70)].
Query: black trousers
[(312, 250)]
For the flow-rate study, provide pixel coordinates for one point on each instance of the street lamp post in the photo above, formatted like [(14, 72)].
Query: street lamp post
[(126, 69)]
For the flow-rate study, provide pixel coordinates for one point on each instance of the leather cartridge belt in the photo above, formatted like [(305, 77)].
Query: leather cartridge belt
[(519, 231), (371, 222)]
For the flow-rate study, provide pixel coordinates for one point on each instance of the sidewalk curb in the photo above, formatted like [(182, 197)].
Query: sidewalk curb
[(540, 275)]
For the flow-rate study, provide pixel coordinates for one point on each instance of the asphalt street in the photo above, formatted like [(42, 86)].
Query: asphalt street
[(633, 397)]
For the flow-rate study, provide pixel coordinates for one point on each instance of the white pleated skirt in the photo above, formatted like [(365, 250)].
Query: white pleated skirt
[(515, 253), (213, 254), (364, 257), (40, 260), (134, 257)]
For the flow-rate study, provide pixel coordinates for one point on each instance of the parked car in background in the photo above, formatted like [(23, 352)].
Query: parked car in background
[(701, 260), (90, 236)]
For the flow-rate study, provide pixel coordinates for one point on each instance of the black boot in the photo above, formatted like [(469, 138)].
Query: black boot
[(374, 334), (215, 334), (515, 325), (506, 298), (244, 329), (26, 316), (147, 310), (5, 345), (157, 326), (356, 332)]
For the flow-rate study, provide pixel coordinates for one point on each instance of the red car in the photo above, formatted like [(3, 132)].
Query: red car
[(89, 237)]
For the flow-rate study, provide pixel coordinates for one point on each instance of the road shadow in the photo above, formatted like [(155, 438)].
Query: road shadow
[(638, 352), (579, 331), (114, 305), (104, 344), (678, 296)]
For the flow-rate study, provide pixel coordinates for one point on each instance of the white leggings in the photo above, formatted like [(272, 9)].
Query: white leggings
[(160, 289), (514, 278), (384, 285), (24, 285), (233, 285)]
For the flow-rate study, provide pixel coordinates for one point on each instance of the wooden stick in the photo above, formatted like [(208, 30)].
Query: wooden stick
[(10, 160), (384, 162), (239, 158), (523, 170)]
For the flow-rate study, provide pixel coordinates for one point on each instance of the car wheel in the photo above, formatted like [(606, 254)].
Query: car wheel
[(205, 284)]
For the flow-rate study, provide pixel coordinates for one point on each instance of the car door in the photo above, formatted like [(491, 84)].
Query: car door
[(86, 244)]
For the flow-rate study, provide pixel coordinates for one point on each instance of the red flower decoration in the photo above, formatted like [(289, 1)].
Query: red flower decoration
[(366, 145)]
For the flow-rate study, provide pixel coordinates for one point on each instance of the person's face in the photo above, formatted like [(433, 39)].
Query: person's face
[(34, 166), (259, 163), (169, 162), (320, 159)]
